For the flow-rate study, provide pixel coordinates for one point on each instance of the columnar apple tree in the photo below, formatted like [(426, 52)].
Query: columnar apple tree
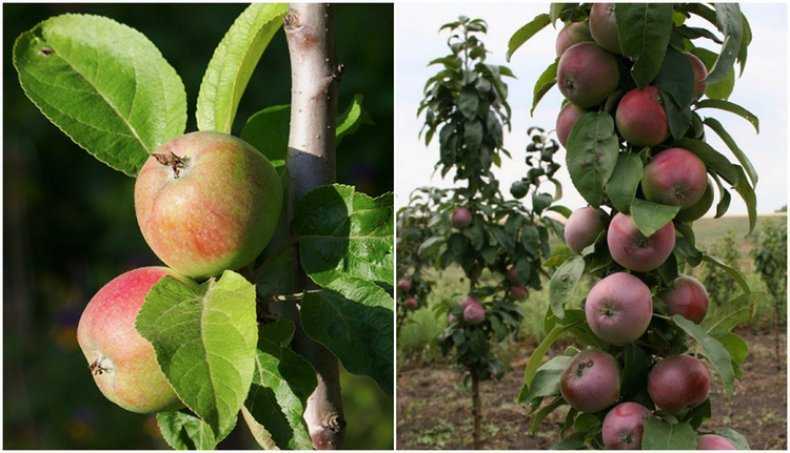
[(265, 259), (473, 225), (634, 124)]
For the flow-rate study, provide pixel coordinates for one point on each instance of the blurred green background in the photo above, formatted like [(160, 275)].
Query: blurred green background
[(69, 224)]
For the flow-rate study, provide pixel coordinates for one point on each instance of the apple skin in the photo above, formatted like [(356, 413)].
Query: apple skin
[(410, 303), (700, 208), (461, 218), (623, 426), (583, 227), (474, 313), (641, 118), (714, 442), (700, 74), (630, 249), (619, 308), (591, 382), (678, 382), (587, 74), (675, 177), (687, 297), (404, 284), (512, 275), (122, 362), (519, 292), (567, 118), (572, 33), (219, 213), (603, 27)]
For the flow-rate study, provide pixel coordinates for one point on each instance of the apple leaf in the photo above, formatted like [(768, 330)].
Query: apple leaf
[(644, 30), (542, 86), (592, 155), (527, 31), (282, 382), (662, 435), (622, 185), (204, 337), (563, 282), (730, 22), (355, 323), (650, 217), (184, 431), (343, 232), (104, 84), (547, 379), (233, 62), (716, 353)]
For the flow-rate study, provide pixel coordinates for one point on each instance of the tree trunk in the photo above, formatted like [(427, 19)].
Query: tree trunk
[(311, 163), (777, 344), (476, 410)]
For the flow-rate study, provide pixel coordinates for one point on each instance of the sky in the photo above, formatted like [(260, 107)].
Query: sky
[(762, 89)]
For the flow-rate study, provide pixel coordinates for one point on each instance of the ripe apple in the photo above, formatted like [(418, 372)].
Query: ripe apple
[(591, 382), (632, 250), (207, 202), (583, 227), (572, 33), (687, 297), (587, 74), (714, 442), (122, 362), (623, 426), (618, 308), (675, 177), (474, 313), (678, 382), (641, 118), (461, 218), (603, 27), (567, 118)]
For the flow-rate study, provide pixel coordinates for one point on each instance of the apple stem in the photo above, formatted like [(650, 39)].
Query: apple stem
[(175, 162), (309, 31)]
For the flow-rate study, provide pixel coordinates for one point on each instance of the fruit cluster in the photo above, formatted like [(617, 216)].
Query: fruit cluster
[(205, 202), (619, 307)]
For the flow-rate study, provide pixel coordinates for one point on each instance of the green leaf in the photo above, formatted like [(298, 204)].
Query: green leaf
[(715, 90), (547, 378), (644, 30), (527, 31), (592, 155), (734, 273), (534, 362), (343, 232), (736, 346), (204, 337), (739, 154), (731, 24), (661, 435), (356, 328), (351, 119), (233, 62), (650, 217), (622, 185), (281, 385), (183, 431), (542, 86), (120, 113), (267, 131), (563, 282), (468, 101), (732, 108), (676, 78), (711, 348)]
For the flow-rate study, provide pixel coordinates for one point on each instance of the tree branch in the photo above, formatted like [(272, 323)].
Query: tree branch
[(311, 163)]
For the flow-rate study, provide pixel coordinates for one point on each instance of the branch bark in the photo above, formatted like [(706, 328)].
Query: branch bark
[(311, 163)]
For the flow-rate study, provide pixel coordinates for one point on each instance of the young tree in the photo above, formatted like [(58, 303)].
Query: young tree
[(473, 225), (636, 87), (265, 263)]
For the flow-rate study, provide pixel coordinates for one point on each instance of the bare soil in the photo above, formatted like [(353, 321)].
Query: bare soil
[(434, 407)]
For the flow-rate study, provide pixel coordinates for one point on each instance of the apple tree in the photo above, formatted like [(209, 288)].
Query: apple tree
[(499, 243), (638, 90), (274, 275)]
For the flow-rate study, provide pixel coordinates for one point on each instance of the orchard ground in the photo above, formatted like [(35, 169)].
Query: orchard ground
[(434, 412)]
